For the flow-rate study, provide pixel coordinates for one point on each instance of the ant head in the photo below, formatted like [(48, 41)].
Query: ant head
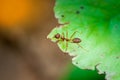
[(57, 36)]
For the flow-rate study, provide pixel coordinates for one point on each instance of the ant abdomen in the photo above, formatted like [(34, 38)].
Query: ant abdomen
[(76, 40)]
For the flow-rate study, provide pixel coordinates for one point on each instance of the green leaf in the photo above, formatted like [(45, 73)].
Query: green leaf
[(74, 73), (97, 24)]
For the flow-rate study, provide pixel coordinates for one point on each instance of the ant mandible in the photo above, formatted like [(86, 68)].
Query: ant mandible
[(62, 37)]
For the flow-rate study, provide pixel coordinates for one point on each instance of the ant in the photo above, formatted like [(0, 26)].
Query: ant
[(62, 37)]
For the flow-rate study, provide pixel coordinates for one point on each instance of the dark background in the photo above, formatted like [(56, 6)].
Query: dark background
[(25, 52)]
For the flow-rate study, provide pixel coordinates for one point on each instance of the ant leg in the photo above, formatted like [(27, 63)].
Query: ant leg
[(81, 47), (66, 46), (66, 34), (63, 39), (74, 34), (58, 41), (66, 40), (63, 35)]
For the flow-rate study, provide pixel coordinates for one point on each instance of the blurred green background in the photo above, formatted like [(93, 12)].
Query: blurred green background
[(25, 52)]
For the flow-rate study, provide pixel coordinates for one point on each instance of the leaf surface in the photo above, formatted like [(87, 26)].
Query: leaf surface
[(97, 24)]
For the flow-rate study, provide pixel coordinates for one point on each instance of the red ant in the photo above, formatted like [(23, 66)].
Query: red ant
[(71, 39)]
